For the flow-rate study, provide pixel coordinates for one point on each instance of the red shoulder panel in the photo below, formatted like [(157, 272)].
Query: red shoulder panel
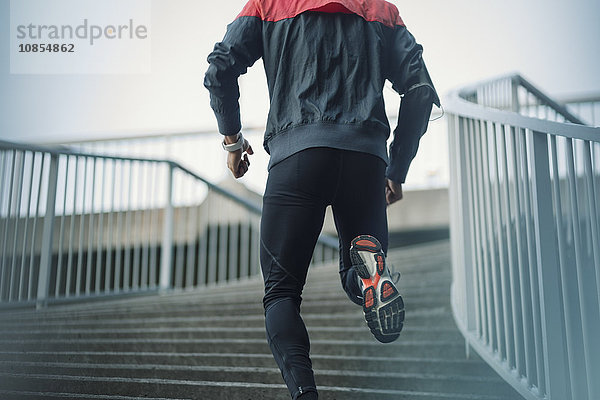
[(250, 10), (370, 10)]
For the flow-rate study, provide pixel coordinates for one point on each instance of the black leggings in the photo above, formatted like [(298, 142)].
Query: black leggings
[(298, 191)]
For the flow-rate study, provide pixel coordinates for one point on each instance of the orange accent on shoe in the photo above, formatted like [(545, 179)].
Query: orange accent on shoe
[(366, 243), (371, 282), (369, 299), (380, 265), (388, 290)]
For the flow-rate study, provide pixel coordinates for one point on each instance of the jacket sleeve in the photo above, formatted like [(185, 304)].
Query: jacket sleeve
[(409, 77), (239, 49)]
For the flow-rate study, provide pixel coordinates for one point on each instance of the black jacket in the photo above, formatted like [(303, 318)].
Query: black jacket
[(326, 64)]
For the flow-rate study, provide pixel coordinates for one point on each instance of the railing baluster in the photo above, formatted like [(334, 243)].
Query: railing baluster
[(14, 274), (129, 241), (587, 285), (534, 282), (167, 239), (69, 282), (506, 321), (61, 231), (212, 240), (181, 229), (4, 219), (100, 243), (493, 264), (531, 273), (572, 312), (90, 244), (254, 246), (81, 230), (47, 237), (463, 197), (222, 265), (592, 191), (474, 200), (233, 224), (31, 294), (138, 228), (522, 261), (245, 246), (596, 178), (191, 220), (147, 223), (483, 248), (203, 241), (108, 276), (474, 254), (552, 322), (5, 286), (119, 255), (513, 264), (24, 273), (154, 224)]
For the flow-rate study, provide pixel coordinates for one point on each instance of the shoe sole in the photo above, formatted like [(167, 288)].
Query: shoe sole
[(382, 304)]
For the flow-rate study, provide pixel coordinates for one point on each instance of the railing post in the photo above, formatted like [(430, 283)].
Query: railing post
[(514, 83), (548, 268), (46, 255), (166, 263), (461, 212)]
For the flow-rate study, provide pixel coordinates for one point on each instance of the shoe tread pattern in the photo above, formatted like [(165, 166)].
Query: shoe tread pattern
[(385, 313)]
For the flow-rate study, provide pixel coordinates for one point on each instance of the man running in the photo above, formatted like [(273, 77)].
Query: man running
[(326, 63)]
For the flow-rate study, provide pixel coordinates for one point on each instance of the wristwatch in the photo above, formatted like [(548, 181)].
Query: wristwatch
[(234, 146)]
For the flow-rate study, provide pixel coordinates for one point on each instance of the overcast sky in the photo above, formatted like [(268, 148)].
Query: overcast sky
[(553, 43)]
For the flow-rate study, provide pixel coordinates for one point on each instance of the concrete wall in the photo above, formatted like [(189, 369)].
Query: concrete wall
[(418, 210)]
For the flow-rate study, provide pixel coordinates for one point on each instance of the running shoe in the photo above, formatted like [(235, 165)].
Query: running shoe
[(382, 304)]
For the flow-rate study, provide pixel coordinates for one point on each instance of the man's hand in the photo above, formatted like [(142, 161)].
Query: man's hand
[(237, 161), (393, 192)]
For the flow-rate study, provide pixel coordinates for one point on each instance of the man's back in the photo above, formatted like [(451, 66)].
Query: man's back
[(326, 64), (325, 68)]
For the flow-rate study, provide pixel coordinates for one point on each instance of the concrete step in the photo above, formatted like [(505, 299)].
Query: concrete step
[(320, 361), (416, 348), (358, 332), (337, 299), (341, 305), (28, 395), (373, 380), (198, 389), (439, 317)]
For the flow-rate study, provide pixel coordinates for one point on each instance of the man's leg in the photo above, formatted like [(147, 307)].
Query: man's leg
[(359, 208), (292, 218), (360, 215)]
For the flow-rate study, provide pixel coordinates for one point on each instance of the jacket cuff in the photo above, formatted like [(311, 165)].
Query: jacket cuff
[(397, 173), (229, 124)]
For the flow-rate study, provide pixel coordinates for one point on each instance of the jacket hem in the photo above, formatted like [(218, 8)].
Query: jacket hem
[(344, 137)]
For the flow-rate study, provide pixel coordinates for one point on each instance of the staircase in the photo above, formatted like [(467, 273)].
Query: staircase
[(210, 344)]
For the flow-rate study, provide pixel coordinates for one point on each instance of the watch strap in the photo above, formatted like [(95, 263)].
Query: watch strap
[(234, 146)]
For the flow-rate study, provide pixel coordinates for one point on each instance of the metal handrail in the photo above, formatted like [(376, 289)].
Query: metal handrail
[(547, 100), (61, 150), (77, 225), (516, 81), (525, 231), (462, 107)]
